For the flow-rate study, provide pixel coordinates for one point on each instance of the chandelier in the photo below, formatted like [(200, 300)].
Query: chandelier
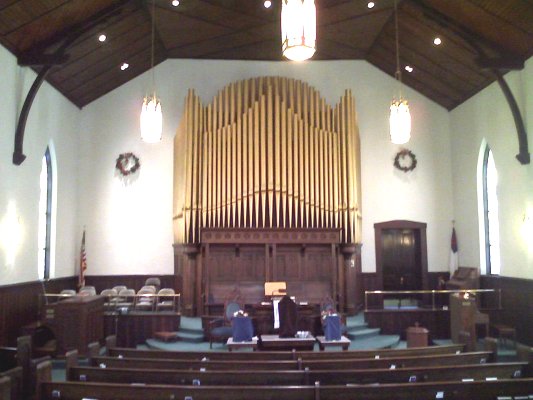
[(400, 117), (298, 29), (151, 115)]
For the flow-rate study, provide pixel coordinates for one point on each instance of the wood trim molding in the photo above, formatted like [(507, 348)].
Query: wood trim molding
[(267, 236)]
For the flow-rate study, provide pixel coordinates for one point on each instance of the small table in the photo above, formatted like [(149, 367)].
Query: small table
[(274, 342), (344, 342), (241, 345)]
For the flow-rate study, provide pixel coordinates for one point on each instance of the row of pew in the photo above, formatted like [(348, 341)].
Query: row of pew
[(18, 370), (437, 372)]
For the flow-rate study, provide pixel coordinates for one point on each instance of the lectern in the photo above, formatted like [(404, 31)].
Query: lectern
[(463, 311), (76, 322)]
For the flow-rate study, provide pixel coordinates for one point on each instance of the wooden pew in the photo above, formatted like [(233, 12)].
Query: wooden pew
[(16, 364), (358, 363), (15, 376), (284, 355), (306, 377), (486, 390), (5, 388)]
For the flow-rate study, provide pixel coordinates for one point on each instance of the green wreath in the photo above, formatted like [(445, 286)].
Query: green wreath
[(402, 155), (127, 164)]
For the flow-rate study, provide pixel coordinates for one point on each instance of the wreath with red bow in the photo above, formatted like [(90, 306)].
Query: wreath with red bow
[(127, 164)]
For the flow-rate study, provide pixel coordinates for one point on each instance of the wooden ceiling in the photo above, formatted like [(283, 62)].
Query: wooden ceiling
[(479, 38)]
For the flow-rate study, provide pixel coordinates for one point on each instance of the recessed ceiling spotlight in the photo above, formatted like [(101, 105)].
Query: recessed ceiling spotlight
[(371, 4), (437, 41), (102, 38), (408, 68), (175, 3), (124, 66), (267, 3)]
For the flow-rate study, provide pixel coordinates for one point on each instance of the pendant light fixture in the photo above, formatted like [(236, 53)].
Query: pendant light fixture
[(298, 29), (151, 115), (400, 117)]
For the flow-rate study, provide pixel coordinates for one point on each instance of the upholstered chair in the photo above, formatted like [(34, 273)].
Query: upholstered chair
[(220, 329), (154, 281)]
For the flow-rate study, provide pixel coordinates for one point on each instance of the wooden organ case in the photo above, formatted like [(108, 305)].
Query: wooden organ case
[(267, 188)]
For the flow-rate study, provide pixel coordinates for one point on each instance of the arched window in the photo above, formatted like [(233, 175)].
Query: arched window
[(45, 217), (491, 226)]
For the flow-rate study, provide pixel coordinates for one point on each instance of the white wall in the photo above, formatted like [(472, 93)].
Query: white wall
[(52, 119), (487, 115), (129, 227)]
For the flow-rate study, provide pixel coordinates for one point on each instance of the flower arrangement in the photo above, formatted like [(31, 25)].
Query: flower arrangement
[(240, 313), (328, 313)]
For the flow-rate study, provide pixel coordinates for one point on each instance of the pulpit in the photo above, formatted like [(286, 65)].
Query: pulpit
[(76, 322)]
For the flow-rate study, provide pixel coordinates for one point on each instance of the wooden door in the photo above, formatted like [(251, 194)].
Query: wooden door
[(402, 269), (401, 251)]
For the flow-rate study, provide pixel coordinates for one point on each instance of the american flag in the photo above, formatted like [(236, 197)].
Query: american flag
[(83, 262)]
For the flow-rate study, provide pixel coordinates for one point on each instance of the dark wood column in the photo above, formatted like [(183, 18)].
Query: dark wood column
[(185, 265)]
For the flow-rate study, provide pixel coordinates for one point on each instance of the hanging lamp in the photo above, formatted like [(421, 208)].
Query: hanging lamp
[(298, 29), (400, 117), (151, 115)]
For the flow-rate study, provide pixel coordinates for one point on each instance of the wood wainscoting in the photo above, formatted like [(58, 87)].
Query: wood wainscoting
[(20, 305), (517, 305)]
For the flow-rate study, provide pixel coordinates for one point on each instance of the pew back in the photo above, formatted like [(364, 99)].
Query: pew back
[(284, 355), (486, 390), (391, 362), (306, 377)]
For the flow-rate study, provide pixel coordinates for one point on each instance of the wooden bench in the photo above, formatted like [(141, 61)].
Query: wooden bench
[(478, 390), (19, 367), (284, 355), (358, 363), (306, 377)]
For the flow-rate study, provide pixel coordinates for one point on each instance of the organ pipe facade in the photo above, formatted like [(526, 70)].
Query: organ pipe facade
[(267, 152)]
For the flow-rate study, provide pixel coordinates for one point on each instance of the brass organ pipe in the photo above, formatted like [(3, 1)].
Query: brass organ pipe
[(272, 149)]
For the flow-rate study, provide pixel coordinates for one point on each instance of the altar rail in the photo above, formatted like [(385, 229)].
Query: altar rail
[(435, 305)]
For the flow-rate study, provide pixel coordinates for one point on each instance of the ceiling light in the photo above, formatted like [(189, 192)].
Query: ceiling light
[(408, 68), (102, 38), (400, 117), (175, 3), (298, 29), (371, 4), (267, 3), (151, 115), (124, 66), (437, 41)]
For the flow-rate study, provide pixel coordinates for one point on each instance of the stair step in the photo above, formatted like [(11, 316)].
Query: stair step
[(363, 333), (375, 342), (356, 326), (190, 337)]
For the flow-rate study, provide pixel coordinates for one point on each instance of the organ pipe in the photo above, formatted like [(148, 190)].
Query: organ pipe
[(267, 152)]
